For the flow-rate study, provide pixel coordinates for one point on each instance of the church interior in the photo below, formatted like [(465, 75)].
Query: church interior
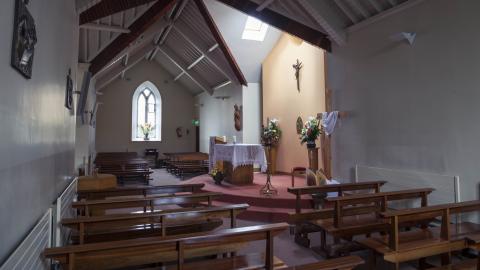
[(239, 134)]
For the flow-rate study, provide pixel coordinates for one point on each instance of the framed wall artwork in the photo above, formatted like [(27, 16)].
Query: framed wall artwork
[(24, 39)]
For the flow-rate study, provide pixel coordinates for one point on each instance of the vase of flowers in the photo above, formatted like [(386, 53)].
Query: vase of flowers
[(270, 138), (217, 175), (146, 128), (310, 132)]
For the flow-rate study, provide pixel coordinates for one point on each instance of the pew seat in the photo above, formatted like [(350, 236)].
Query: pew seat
[(342, 263), (469, 264)]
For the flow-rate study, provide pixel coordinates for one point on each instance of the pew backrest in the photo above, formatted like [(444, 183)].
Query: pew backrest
[(419, 215), (164, 219), (86, 207), (340, 189), (360, 204), (138, 190), (108, 255)]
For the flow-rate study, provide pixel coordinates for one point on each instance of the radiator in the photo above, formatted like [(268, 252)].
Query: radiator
[(64, 210), (447, 188), (28, 254)]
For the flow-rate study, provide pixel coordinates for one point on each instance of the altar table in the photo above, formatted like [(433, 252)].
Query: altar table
[(239, 160)]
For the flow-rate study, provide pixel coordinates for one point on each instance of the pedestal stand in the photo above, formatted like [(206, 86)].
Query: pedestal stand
[(268, 190)]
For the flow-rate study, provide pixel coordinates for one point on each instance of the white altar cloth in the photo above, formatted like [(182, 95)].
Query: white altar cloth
[(241, 154)]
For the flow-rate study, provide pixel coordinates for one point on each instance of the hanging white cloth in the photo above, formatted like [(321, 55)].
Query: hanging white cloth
[(329, 120)]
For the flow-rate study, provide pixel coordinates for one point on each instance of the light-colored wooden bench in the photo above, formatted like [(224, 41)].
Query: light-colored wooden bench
[(302, 229), (420, 242), (92, 207), (169, 222), (173, 250)]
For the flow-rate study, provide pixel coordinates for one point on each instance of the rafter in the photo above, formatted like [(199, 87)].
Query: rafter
[(386, 13), (358, 6), (346, 10), (264, 5), (221, 42), (393, 2), (176, 60), (203, 52), (118, 70), (376, 5), (281, 22), (109, 7), (153, 14), (174, 15), (334, 31)]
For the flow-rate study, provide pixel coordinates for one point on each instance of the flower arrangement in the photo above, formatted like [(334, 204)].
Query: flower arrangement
[(217, 175), (146, 129), (310, 131), (271, 133)]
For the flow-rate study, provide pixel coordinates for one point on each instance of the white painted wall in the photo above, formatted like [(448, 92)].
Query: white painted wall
[(252, 113), (37, 132), (113, 132), (216, 115), (411, 107)]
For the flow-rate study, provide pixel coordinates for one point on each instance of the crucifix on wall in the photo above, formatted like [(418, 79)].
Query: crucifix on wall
[(298, 66)]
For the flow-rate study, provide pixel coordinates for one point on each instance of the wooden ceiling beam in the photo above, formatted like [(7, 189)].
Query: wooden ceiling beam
[(153, 14), (376, 5), (346, 10), (335, 31), (219, 38), (109, 7), (176, 60), (104, 27), (281, 22), (119, 70), (264, 5)]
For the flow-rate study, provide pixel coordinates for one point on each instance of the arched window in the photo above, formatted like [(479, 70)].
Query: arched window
[(146, 110)]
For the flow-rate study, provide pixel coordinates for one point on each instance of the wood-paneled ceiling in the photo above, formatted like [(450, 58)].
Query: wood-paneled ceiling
[(182, 36)]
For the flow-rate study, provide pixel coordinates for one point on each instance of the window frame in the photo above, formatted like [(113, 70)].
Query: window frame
[(158, 112)]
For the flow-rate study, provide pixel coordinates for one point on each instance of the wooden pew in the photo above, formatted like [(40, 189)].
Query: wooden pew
[(123, 165), (88, 208), (169, 222), (355, 215), (137, 191), (174, 250), (418, 243), (341, 189), (473, 242), (302, 229), (342, 263)]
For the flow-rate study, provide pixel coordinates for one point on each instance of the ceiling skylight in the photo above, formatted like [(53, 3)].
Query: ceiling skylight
[(254, 29)]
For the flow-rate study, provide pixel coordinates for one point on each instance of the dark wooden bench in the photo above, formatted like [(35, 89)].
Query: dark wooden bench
[(137, 190), (355, 215), (169, 250), (302, 229), (421, 242), (88, 208), (343, 263), (168, 222)]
